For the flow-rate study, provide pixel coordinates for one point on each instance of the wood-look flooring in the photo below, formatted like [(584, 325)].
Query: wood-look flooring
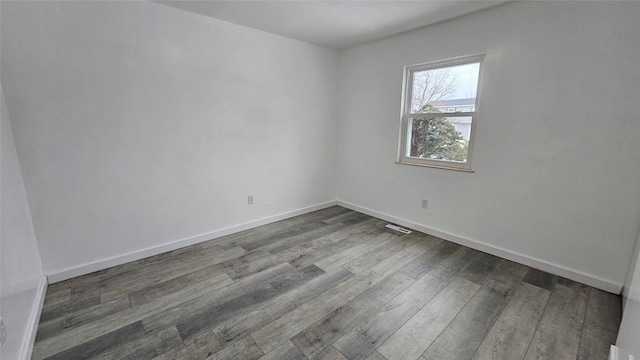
[(333, 284)]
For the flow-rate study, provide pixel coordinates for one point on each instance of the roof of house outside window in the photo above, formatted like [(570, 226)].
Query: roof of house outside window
[(453, 103)]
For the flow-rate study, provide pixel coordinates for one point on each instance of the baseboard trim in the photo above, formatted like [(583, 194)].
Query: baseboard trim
[(575, 275), (88, 268), (34, 320)]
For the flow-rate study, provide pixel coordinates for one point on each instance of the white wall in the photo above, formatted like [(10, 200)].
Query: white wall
[(629, 333), (556, 153), (20, 267), (139, 124)]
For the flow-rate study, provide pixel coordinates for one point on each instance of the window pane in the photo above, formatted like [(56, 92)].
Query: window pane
[(447, 89), (439, 138)]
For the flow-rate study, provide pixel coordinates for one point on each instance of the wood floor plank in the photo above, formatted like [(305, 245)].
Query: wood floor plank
[(379, 226), (289, 242), (50, 328), (347, 232), (76, 303), (366, 337), (55, 297), (558, 334), (511, 334), (200, 347), (427, 261), (210, 316), (286, 351), (343, 257), (168, 257), (292, 254), (181, 311), (415, 336), (595, 345), (399, 259), (295, 236), (160, 267), (87, 332), (213, 276), (329, 250), (352, 217), (80, 317), (319, 336), (94, 279), (481, 268), (145, 348), (86, 315), (250, 321), (604, 311), (376, 356), (249, 263), (257, 233), (203, 278), (163, 265), (379, 254), (509, 273), (122, 286), (453, 265), (601, 323), (279, 227), (305, 315), (245, 349), (101, 344), (463, 336), (329, 353), (540, 278)]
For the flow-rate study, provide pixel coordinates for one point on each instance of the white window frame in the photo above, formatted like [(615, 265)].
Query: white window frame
[(406, 115)]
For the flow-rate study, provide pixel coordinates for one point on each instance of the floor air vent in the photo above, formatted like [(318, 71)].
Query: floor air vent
[(398, 228)]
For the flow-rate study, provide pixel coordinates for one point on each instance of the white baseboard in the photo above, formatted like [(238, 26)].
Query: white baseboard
[(34, 320), (575, 275), (579, 276), (155, 250)]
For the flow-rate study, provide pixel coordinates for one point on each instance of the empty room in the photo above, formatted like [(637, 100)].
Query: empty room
[(328, 180)]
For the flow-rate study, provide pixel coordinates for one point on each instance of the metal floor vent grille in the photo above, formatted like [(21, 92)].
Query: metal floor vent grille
[(398, 228)]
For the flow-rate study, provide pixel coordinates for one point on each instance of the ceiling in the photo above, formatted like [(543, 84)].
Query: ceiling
[(334, 24)]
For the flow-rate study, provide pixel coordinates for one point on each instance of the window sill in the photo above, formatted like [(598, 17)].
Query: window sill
[(435, 166)]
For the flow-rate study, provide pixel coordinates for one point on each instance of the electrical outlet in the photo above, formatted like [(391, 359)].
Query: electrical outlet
[(250, 199), (425, 202), (3, 332)]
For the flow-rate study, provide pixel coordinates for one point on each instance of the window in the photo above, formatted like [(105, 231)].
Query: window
[(439, 108)]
